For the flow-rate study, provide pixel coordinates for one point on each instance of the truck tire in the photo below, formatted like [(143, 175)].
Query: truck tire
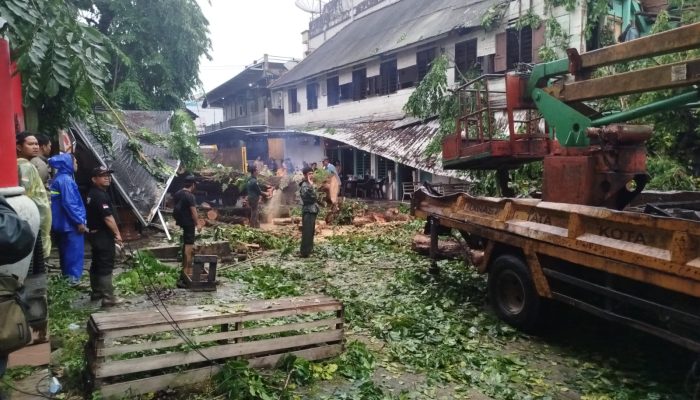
[(512, 293)]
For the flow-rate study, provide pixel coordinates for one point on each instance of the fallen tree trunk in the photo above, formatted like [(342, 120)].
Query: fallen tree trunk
[(447, 248)]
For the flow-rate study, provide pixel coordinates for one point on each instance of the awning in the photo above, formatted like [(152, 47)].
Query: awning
[(404, 141)]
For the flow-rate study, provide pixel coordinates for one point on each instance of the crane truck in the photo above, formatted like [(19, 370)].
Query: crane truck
[(575, 244)]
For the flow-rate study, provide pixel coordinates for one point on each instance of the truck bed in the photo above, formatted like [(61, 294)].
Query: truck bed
[(658, 250)]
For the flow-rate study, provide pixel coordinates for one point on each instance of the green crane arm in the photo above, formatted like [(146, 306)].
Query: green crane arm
[(570, 125)]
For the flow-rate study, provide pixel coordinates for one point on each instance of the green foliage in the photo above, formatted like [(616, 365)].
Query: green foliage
[(669, 174), (145, 270), (433, 99), (67, 323), (321, 175), (268, 281), (529, 19), (157, 49), (357, 362), (676, 132), (237, 381), (523, 181), (350, 209), (151, 137), (303, 372), (239, 234), (493, 16), (67, 63), (63, 62), (183, 143)]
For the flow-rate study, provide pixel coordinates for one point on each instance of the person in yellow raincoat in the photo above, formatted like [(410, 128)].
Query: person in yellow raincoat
[(29, 179)]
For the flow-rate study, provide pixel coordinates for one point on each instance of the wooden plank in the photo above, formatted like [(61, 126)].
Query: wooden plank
[(108, 321), (190, 311), (121, 367), (223, 319), (178, 379), (162, 344), (644, 80), (671, 41)]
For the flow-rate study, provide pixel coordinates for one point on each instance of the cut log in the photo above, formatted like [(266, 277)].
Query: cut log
[(282, 221), (212, 215), (378, 217), (361, 221), (447, 248)]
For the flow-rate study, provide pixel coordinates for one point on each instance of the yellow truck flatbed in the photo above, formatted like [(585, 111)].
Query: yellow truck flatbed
[(637, 269)]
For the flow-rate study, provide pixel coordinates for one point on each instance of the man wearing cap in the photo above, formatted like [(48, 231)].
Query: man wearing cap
[(309, 211), (103, 235)]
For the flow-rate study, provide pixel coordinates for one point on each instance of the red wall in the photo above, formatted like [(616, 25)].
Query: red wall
[(8, 155)]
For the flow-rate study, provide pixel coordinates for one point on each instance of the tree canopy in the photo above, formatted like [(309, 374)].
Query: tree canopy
[(159, 42), (74, 54)]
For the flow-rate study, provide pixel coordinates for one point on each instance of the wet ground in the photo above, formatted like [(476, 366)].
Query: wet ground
[(431, 337)]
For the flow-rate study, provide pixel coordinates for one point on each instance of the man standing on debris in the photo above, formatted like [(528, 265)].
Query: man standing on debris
[(254, 193), (185, 214), (69, 220), (104, 235), (309, 211)]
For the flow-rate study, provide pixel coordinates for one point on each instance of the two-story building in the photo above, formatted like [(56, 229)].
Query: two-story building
[(367, 57), (253, 120)]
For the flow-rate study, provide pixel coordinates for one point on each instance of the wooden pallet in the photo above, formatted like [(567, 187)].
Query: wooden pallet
[(136, 352)]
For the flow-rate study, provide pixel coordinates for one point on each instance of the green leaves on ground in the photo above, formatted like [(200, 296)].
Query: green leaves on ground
[(440, 327), (268, 281), (240, 234), (145, 275)]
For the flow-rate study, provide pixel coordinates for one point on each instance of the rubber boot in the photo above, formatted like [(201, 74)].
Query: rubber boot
[(97, 293), (109, 299)]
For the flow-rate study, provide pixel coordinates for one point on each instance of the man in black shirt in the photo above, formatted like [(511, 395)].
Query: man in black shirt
[(103, 236), (185, 213)]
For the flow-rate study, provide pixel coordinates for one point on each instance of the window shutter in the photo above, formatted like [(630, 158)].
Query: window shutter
[(499, 61), (538, 40)]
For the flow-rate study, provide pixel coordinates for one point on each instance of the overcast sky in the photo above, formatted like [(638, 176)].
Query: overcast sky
[(242, 31)]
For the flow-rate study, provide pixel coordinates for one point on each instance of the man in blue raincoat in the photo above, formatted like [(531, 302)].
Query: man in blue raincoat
[(69, 217)]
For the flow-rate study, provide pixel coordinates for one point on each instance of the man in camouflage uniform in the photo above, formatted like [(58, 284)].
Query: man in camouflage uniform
[(309, 211)]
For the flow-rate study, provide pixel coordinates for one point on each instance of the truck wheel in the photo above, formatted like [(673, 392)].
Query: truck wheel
[(513, 294)]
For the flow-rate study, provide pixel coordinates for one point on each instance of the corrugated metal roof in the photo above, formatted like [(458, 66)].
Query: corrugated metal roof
[(138, 187), (405, 145), (393, 27), (251, 74)]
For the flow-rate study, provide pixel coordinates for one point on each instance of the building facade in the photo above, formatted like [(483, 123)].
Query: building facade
[(367, 58)]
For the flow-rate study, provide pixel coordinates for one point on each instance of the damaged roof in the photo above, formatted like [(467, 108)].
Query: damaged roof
[(402, 141), (393, 27), (137, 186)]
